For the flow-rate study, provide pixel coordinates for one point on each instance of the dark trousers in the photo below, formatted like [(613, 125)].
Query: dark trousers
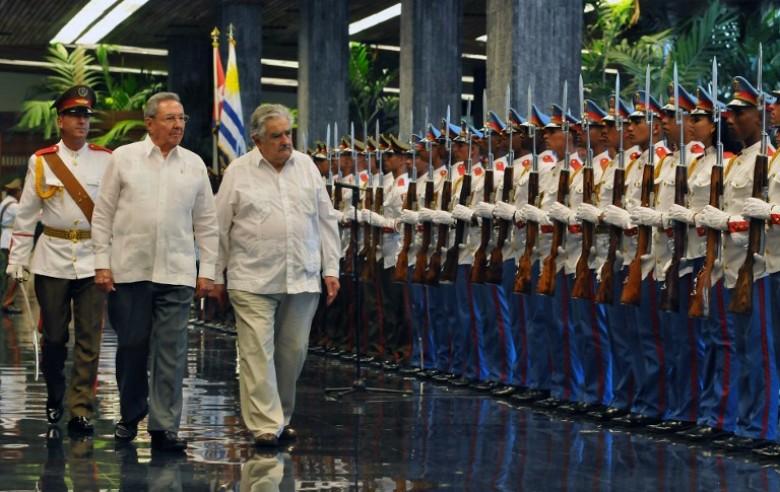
[(150, 321), (55, 296)]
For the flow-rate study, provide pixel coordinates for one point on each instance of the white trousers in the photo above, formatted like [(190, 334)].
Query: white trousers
[(273, 338)]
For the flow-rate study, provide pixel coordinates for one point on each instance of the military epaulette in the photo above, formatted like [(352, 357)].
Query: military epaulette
[(48, 150), (99, 147)]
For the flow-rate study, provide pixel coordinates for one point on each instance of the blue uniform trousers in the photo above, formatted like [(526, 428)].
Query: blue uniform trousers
[(622, 343), (539, 323), (467, 356), (495, 341), (590, 332), (566, 366)]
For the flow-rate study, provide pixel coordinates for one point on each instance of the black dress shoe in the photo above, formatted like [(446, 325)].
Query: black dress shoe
[(703, 433), (443, 377), (584, 407), (54, 413), (502, 391), (266, 440), (377, 363), (167, 441), (483, 385), (635, 420), (530, 395), (348, 356), (549, 403), (739, 443), (125, 431), (670, 426), (769, 451), (608, 413), (409, 370), (430, 373), (390, 366), (288, 434), (365, 359), (80, 425), (570, 407), (459, 382)]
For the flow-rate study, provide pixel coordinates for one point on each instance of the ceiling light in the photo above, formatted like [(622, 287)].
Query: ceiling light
[(116, 16), (279, 82), (82, 20), (35, 63), (135, 50), (279, 63), (373, 20), (482, 39), (589, 8), (474, 56)]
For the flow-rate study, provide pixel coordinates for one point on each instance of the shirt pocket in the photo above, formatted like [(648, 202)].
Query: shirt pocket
[(305, 201)]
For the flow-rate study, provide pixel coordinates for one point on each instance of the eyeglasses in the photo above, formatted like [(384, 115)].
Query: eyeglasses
[(172, 118)]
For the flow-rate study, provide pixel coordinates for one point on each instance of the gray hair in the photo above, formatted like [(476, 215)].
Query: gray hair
[(150, 108), (265, 112)]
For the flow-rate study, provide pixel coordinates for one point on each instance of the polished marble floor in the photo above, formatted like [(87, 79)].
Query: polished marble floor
[(436, 439)]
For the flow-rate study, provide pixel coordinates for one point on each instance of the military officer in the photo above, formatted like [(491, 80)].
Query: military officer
[(62, 183)]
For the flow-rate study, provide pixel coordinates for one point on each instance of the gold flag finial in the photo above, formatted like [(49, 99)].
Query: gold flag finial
[(215, 38)]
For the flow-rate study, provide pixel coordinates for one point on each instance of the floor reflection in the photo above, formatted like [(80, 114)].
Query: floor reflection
[(437, 439)]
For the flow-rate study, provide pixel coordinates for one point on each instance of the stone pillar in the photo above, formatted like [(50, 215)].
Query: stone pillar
[(431, 69), (246, 16), (537, 42), (323, 55), (191, 78)]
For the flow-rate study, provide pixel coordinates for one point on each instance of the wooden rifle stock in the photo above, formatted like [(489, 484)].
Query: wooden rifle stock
[(525, 264), (401, 272), (421, 261), (699, 300), (479, 265), (632, 287), (670, 297), (742, 299), (450, 269), (604, 295), (434, 266), (369, 270), (365, 253), (495, 271), (583, 277), (546, 285), (350, 253)]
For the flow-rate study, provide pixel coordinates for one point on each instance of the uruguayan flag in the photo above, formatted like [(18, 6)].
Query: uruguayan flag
[(231, 128)]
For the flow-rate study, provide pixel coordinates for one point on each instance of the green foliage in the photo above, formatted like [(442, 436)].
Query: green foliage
[(124, 92), (367, 100)]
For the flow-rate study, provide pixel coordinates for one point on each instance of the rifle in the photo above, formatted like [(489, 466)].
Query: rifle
[(742, 298), (353, 225), (522, 283), (699, 300), (329, 157), (495, 267), (479, 265), (450, 269), (365, 253), (546, 285), (583, 277), (670, 299), (401, 272), (604, 295), (421, 261), (374, 234), (632, 287), (434, 265)]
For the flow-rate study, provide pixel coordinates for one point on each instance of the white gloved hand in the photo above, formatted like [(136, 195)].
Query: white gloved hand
[(442, 217), (484, 210), (338, 215), (757, 208), (714, 218), (534, 214), (18, 272), (562, 213), (618, 217), (364, 216), (377, 220), (462, 212), (648, 217), (588, 213), (408, 217), (505, 211), (681, 214), (349, 213), (425, 214)]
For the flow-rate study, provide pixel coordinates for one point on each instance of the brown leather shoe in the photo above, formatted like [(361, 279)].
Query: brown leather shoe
[(266, 440)]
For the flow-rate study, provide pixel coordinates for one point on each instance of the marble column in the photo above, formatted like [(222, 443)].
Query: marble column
[(246, 16)]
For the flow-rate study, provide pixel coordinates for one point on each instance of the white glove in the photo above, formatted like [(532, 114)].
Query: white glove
[(562, 213), (534, 214), (618, 217), (349, 213), (484, 210), (443, 217), (364, 216), (714, 218), (425, 214), (588, 213), (338, 215), (505, 211), (648, 217), (681, 214), (18, 272), (377, 220), (409, 217), (757, 209), (462, 212)]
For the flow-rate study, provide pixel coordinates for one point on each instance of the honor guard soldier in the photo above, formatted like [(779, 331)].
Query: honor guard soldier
[(62, 184), (8, 209)]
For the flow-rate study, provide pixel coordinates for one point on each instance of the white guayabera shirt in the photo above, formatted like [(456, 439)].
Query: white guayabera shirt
[(278, 230), (150, 213)]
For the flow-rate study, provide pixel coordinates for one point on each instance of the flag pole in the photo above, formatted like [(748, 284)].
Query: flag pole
[(215, 130)]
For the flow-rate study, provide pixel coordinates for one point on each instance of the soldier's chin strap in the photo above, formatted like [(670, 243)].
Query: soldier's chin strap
[(33, 327)]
